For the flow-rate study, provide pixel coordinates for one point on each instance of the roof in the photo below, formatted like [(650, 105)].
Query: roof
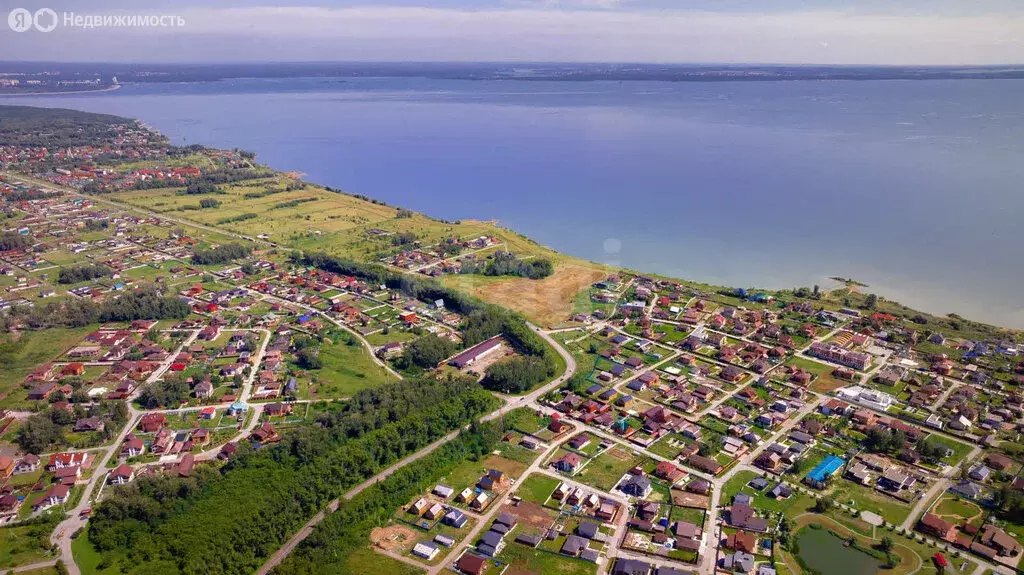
[(476, 351), (630, 567), (470, 563)]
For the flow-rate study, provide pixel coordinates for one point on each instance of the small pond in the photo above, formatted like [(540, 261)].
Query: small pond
[(826, 553)]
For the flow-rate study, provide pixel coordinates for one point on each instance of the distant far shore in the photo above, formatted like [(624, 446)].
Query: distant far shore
[(104, 89)]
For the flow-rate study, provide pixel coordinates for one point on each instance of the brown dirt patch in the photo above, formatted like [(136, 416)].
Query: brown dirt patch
[(513, 468), (687, 499), (531, 514), (618, 454), (548, 301), (827, 383), (393, 537)]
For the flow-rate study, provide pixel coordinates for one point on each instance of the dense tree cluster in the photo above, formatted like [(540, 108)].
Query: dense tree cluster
[(151, 523), (200, 187), (171, 392), (82, 272), (931, 451), (881, 440), (347, 529), (97, 224), (483, 320), (55, 127), (517, 374), (14, 241), (507, 264), (221, 254), (44, 430), (209, 203), (426, 352), (1009, 503), (144, 303), (403, 239), (309, 358)]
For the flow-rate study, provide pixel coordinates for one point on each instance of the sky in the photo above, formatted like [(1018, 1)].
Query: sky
[(887, 32)]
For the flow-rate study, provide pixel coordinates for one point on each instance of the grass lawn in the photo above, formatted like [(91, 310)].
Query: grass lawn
[(796, 504), (688, 514), (823, 381), (517, 453), (952, 508), (867, 499), (604, 471), (366, 560), (86, 556), (667, 450), (537, 488), (522, 559), (960, 450), (19, 356), (23, 545), (346, 370), (526, 420)]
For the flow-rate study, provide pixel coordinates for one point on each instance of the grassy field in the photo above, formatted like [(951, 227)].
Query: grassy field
[(537, 488), (960, 450), (867, 499), (24, 545), (606, 469), (340, 224), (522, 560), (796, 504), (824, 382), (957, 510), (366, 560), (548, 301), (346, 370), (20, 354)]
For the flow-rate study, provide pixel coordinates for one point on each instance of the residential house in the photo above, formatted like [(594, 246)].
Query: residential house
[(122, 474)]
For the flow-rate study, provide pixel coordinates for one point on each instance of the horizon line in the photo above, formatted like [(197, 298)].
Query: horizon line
[(514, 62)]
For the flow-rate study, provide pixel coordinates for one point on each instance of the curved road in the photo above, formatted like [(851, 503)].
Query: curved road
[(511, 403)]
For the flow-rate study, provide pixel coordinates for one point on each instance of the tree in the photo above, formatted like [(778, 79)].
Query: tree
[(309, 358), (428, 351), (82, 272), (711, 445), (816, 292), (871, 302), (516, 374), (38, 433), (14, 241), (822, 505), (886, 544), (221, 254)]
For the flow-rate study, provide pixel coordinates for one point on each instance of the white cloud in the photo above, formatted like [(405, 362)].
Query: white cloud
[(526, 34)]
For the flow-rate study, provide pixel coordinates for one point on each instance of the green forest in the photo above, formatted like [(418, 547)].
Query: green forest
[(230, 521)]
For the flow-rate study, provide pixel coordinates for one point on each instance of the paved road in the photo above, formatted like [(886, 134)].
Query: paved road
[(938, 486), (484, 522), (32, 566), (127, 207), (366, 344), (512, 403)]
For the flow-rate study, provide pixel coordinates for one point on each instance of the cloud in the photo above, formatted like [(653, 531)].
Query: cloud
[(543, 34), (567, 4)]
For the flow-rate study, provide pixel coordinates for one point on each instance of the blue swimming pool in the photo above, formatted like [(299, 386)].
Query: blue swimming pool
[(826, 468)]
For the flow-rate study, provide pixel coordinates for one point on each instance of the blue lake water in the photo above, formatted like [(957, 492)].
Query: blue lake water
[(914, 187)]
